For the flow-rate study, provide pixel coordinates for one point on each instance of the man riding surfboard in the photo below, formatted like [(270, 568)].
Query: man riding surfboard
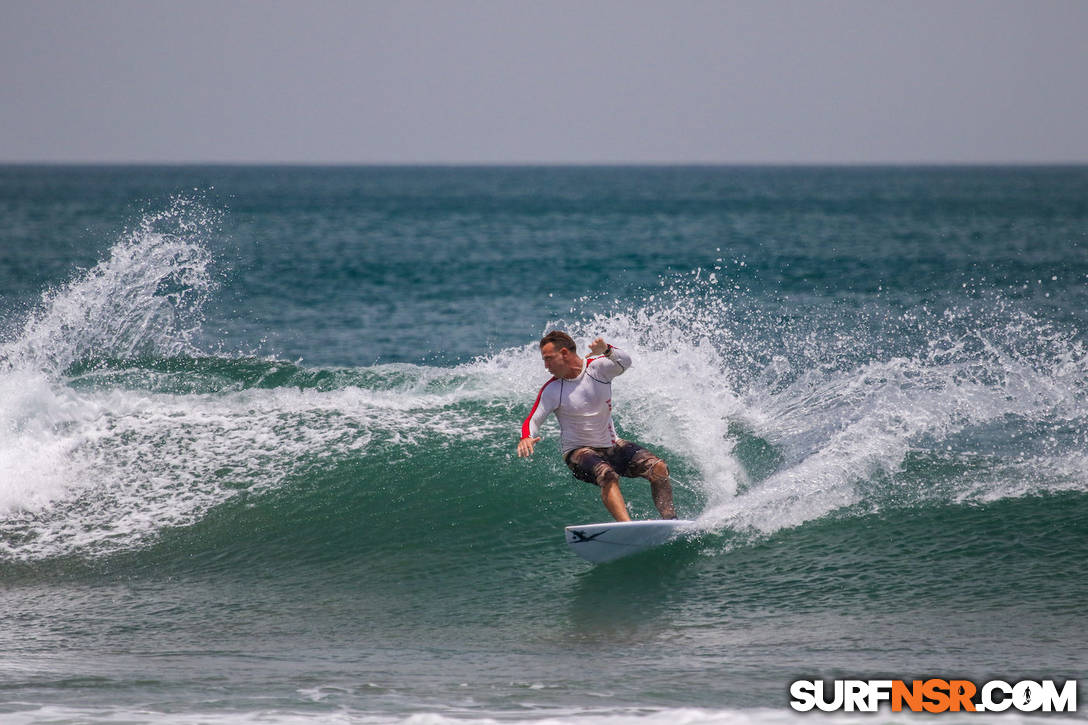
[(580, 395)]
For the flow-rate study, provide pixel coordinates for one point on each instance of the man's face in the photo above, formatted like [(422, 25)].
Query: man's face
[(557, 360)]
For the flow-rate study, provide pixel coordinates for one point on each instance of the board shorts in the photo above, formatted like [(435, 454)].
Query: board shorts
[(625, 458)]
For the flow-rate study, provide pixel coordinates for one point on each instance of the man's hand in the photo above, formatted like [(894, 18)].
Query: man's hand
[(598, 346), (525, 447)]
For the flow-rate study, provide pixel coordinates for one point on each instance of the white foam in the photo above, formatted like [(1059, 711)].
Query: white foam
[(38, 421), (535, 716), (136, 462)]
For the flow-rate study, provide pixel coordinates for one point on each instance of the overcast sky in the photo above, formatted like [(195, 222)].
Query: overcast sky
[(583, 81)]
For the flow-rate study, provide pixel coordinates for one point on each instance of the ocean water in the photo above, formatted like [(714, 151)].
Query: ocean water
[(257, 430)]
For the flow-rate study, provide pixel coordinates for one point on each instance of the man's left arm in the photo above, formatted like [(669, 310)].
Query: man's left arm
[(613, 360)]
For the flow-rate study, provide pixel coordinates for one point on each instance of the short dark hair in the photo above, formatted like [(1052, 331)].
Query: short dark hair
[(560, 340)]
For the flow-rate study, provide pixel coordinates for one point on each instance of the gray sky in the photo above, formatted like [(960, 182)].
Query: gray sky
[(584, 81)]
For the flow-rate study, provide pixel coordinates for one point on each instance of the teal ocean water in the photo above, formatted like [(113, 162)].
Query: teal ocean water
[(257, 430)]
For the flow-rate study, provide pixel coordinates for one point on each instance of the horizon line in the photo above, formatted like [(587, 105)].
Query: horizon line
[(542, 164)]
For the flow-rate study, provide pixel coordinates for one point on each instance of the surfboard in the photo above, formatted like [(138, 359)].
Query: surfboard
[(604, 542)]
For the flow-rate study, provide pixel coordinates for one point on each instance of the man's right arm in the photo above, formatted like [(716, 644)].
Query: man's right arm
[(526, 445), (545, 403)]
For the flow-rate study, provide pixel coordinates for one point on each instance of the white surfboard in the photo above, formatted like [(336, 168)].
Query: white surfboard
[(604, 542)]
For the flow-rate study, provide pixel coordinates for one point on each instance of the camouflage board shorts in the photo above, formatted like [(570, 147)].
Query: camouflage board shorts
[(626, 459)]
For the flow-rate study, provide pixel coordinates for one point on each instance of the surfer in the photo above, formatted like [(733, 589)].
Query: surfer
[(580, 395)]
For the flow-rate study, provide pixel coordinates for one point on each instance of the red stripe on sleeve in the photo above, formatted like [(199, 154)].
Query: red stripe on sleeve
[(525, 425)]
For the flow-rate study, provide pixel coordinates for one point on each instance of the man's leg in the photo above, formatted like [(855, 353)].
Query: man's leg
[(633, 460), (611, 494), (587, 464), (661, 488)]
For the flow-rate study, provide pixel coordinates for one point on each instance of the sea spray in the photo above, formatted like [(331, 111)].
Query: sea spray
[(847, 402), (146, 298)]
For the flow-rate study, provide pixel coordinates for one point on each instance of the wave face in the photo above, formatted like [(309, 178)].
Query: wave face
[(871, 453)]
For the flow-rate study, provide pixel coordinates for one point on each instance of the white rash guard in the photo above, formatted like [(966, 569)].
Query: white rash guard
[(582, 404)]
